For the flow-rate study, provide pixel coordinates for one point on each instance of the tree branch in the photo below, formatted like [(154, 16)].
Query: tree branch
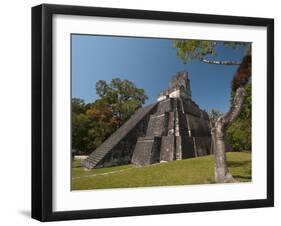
[(220, 62), (235, 107)]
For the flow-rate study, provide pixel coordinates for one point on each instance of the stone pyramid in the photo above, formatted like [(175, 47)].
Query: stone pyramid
[(173, 128)]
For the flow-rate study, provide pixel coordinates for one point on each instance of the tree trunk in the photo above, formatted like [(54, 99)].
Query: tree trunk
[(222, 174)]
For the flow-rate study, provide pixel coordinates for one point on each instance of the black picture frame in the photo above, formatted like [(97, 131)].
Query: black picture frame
[(42, 111)]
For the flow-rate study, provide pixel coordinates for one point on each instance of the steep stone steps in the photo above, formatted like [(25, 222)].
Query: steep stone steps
[(96, 156)]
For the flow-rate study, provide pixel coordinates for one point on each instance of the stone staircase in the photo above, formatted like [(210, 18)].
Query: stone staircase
[(96, 156)]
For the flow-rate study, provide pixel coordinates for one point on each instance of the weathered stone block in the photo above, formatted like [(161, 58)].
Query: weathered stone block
[(183, 124), (187, 147), (203, 145), (147, 151), (171, 124), (157, 125), (167, 148), (198, 126), (165, 106)]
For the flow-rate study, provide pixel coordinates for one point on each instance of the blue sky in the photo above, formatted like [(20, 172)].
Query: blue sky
[(149, 64)]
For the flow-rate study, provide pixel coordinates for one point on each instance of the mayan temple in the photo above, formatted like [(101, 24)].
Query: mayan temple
[(173, 128)]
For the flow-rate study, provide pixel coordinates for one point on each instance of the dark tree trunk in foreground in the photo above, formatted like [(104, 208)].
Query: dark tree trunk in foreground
[(222, 174)]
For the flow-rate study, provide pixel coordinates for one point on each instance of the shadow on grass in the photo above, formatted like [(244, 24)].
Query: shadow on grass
[(76, 166), (242, 177), (238, 163), (210, 181)]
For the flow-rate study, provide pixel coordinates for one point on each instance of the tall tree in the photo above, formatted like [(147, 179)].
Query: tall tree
[(122, 96), (202, 50), (94, 122)]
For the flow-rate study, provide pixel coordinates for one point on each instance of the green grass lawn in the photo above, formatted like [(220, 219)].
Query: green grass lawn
[(182, 172)]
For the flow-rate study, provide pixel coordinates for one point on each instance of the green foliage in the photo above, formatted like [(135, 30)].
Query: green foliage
[(122, 96), (188, 50), (239, 132), (193, 49), (94, 122), (188, 171), (80, 127), (77, 105), (214, 114), (79, 124)]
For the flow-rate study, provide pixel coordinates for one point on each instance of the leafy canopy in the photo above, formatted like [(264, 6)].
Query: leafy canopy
[(188, 50), (94, 122)]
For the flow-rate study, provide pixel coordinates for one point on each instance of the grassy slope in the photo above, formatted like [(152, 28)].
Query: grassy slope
[(183, 172)]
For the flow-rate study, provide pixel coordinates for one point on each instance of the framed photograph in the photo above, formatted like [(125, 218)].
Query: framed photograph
[(145, 112)]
